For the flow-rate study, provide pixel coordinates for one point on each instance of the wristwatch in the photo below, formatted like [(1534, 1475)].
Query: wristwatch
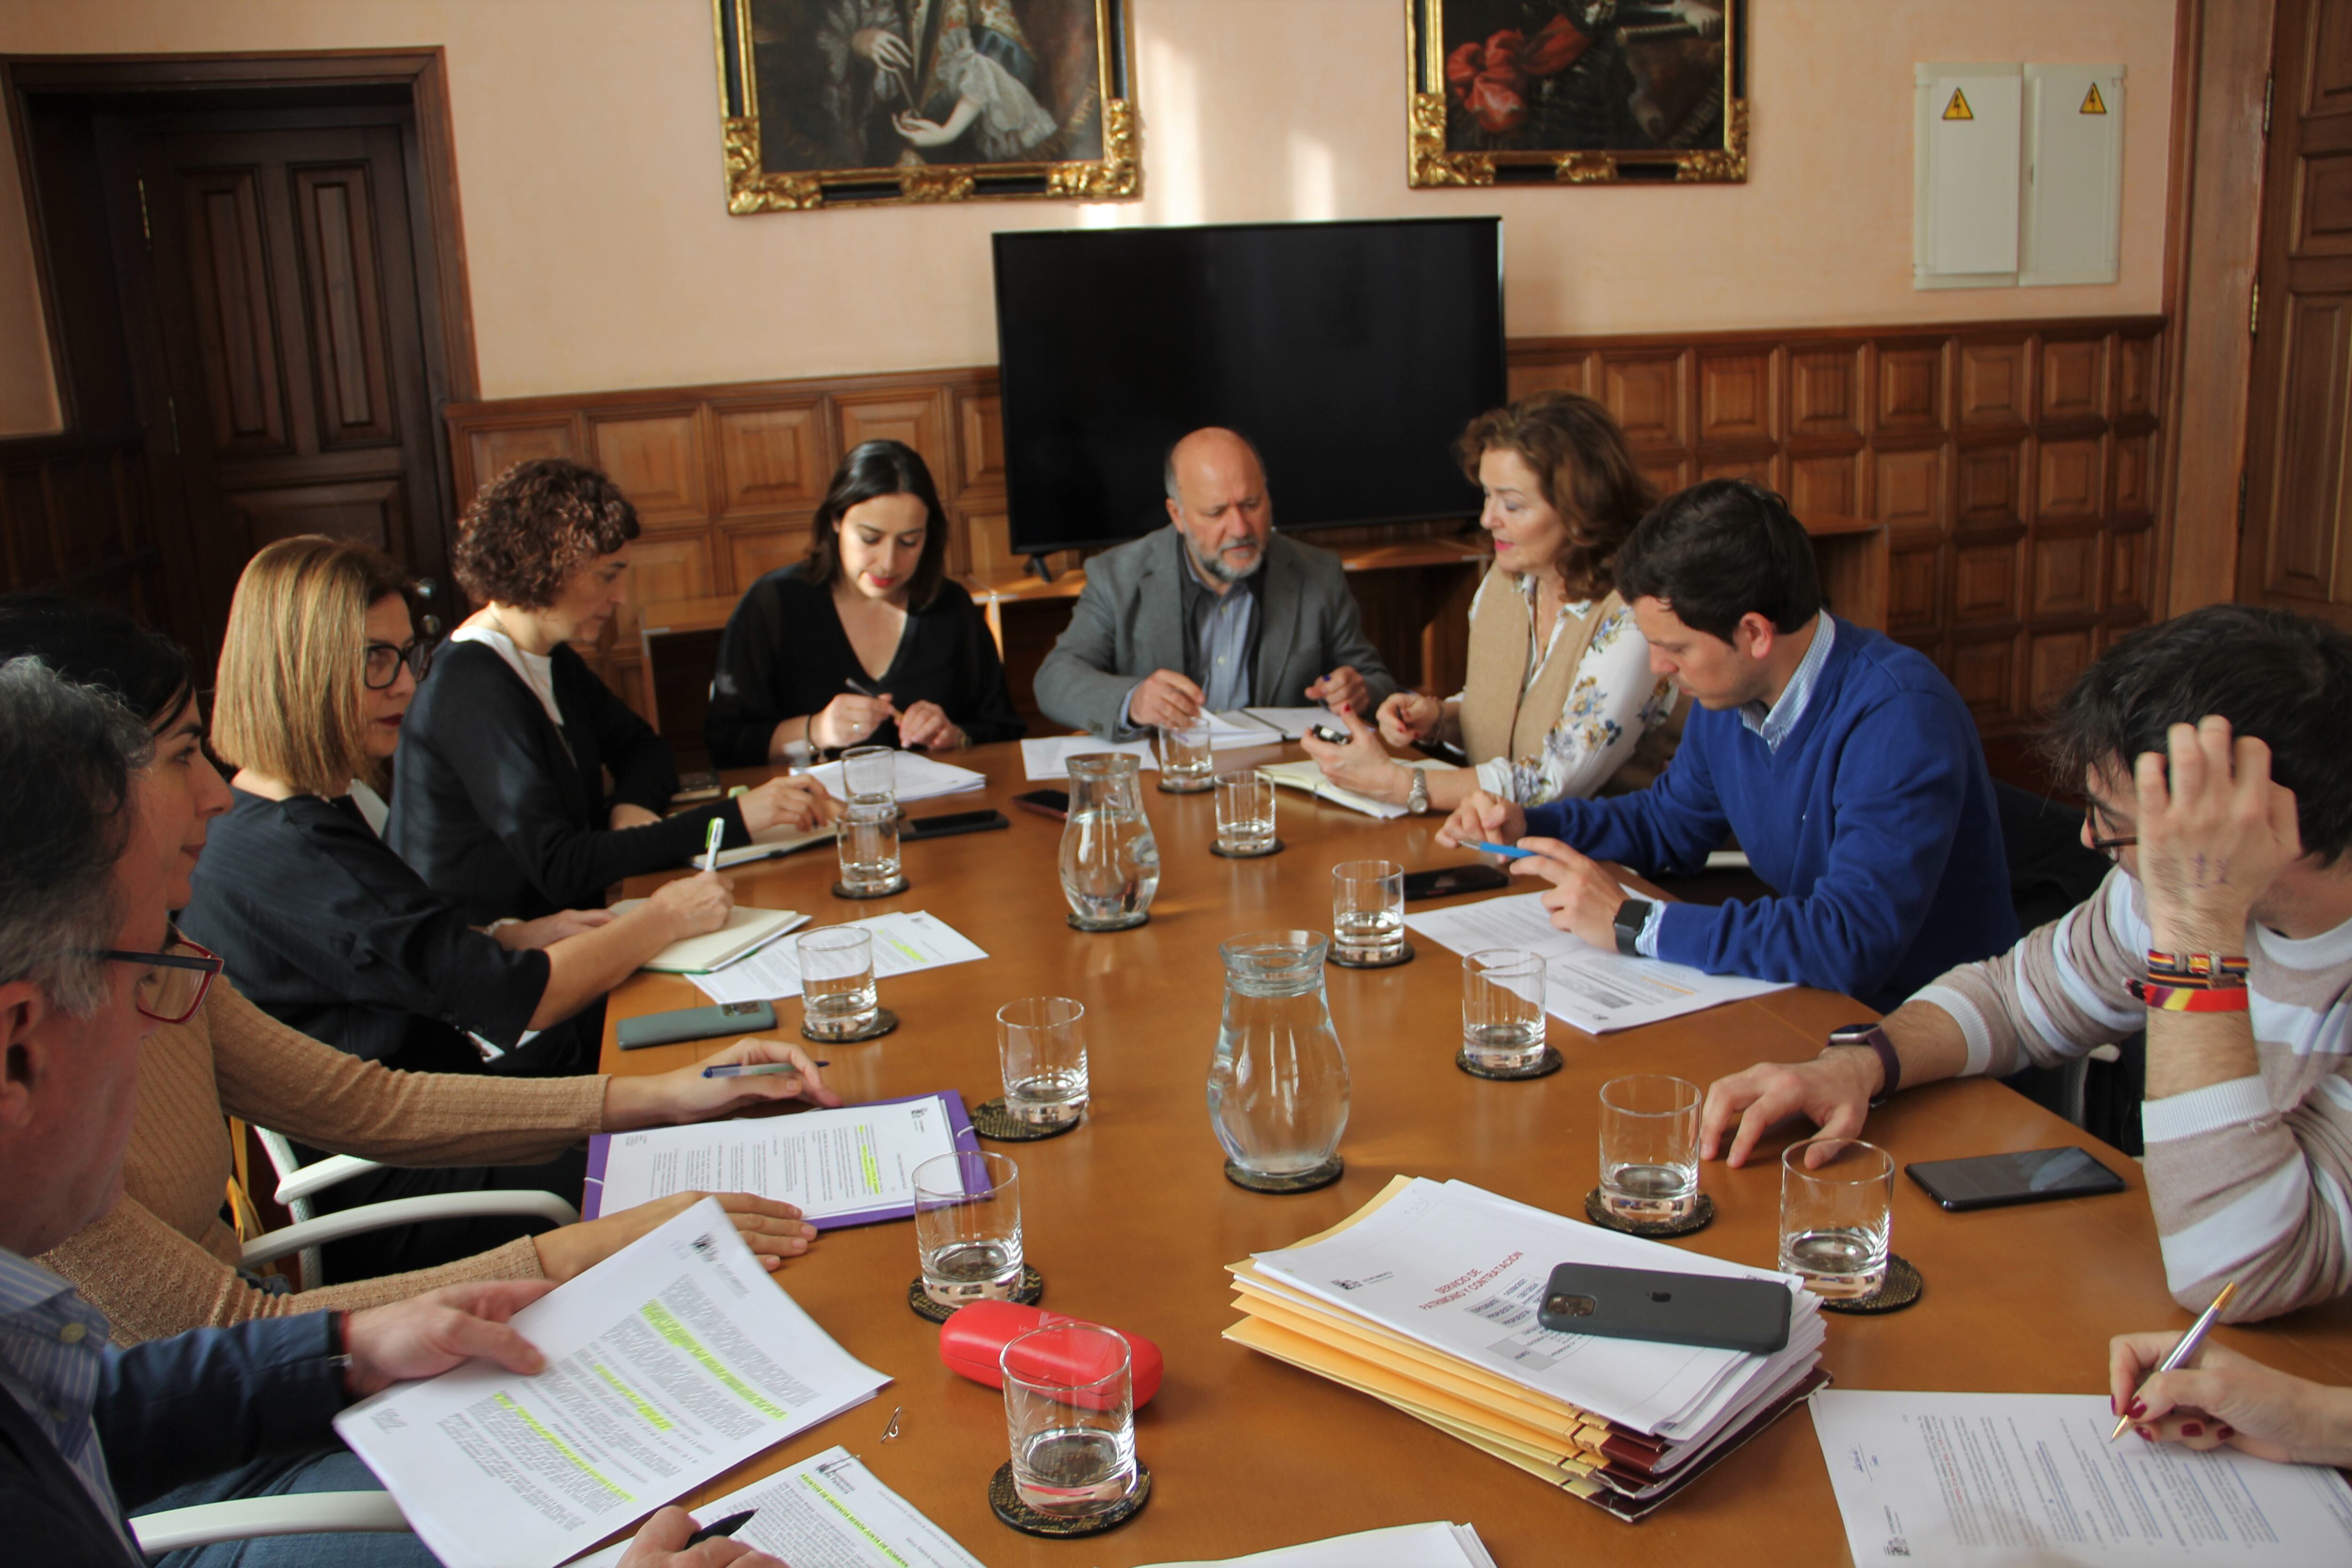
[(1872, 1038), (1416, 794), (1632, 916)]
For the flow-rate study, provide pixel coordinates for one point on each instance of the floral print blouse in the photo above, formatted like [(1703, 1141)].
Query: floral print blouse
[(1612, 703)]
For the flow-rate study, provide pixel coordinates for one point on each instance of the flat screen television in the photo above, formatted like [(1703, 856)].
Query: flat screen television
[(1350, 353)]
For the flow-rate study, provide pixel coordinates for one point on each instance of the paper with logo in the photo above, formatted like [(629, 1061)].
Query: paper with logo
[(827, 1511)]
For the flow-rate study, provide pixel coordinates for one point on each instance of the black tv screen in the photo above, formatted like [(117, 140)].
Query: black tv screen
[(1350, 353)]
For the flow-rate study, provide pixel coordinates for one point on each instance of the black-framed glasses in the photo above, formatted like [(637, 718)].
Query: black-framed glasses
[(384, 660), (2106, 847), (174, 984)]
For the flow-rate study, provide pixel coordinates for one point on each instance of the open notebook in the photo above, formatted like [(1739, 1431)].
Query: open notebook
[(746, 931), (1306, 775)]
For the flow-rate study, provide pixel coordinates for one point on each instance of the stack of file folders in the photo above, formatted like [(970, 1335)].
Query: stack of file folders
[(1426, 1298)]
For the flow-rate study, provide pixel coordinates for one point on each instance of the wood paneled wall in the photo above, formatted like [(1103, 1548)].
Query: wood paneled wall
[(74, 516)]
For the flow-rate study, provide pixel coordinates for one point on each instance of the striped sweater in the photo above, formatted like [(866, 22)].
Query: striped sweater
[(2249, 1179)]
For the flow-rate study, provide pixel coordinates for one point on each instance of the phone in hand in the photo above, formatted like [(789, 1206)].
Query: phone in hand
[(953, 823), (1053, 803), (1448, 880), (2035, 1176), (1709, 1309), (694, 1024)]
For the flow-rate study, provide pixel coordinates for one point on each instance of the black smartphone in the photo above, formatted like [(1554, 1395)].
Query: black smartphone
[(694, 1024), (1053, 803), (952, 824), (1329, 733), (1448, 880), (2037, 1176), (1708, 1310)]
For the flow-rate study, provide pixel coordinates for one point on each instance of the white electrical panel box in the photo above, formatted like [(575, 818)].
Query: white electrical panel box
[(2074, 174), (2017, 174)]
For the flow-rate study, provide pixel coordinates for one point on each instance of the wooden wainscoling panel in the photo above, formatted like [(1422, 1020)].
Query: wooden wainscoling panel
[(74, 516)]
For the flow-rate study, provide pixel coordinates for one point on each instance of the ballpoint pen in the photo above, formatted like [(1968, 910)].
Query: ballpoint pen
[(752, 1069), (727, 1526), (2184, 1350), (1507, 852), (711, 837)]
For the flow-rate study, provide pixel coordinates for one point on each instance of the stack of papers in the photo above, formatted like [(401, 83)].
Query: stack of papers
[(746, 931), (918, 778), (1426, 1298), (827, 1510), (1047, 760), (903, 944), (1439, 1545), (1310, 777)]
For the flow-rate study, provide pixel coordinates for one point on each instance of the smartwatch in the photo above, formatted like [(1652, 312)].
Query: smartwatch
[(1872, 1038), (1632, 916)]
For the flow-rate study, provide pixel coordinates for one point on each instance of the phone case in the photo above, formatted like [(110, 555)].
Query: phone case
[(694, 1024), (972, 1342), (1053, 803), (1708, 1310), (948, 826)]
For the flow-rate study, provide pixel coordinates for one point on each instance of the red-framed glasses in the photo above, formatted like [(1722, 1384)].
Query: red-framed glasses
[(174, 984)]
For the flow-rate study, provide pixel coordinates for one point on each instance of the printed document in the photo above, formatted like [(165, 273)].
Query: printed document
[(1240, 727), (920, 777), (829, 1510), (1047, 760), (668, 1363), (904, 943), (1595, 991), (1988, 1481), (1438, 1545), (852, 1165), (1293, 721)]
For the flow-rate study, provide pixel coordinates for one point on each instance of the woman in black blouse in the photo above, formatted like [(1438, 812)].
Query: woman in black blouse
[(865, 642), (499, 800)]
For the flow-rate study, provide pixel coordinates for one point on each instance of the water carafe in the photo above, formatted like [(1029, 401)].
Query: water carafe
[(1111, 862), (1278, 1086)]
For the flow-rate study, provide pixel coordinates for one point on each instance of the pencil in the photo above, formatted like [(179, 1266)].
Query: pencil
[(2187, 1348)]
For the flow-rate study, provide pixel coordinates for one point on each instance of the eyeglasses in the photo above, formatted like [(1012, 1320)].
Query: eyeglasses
[(174, 984), (2106, 847), (385, 659)]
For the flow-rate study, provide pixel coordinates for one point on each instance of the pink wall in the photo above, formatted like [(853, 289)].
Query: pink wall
[(602, 254)]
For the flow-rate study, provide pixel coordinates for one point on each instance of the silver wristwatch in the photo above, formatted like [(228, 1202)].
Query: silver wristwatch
[(1416, 794)]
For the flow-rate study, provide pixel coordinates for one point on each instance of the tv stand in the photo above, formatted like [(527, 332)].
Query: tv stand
[(1037, 566)]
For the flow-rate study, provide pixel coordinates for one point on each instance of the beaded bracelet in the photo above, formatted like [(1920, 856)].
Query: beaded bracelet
[(2192, 998), (2196, 968)]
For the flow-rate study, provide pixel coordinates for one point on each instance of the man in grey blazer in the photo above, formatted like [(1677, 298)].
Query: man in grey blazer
[(1217, 611)]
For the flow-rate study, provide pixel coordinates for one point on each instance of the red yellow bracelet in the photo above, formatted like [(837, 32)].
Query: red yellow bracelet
[(2192, 998)]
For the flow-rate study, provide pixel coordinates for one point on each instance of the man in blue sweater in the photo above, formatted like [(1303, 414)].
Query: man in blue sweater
[(1845, 763)]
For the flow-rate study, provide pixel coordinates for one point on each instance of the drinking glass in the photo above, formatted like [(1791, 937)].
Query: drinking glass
[(1836, 1219), (1045, 1059), (1184, 758), (870, 773), (1069, 1408), (1649, 1147), (866, 836), (837, 995), (1368, 911), (968, 1226), (1244, 813), (1503, 1009)]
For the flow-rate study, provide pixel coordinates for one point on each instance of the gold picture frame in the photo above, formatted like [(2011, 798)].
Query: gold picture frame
[(829, 103), (1576, 91)]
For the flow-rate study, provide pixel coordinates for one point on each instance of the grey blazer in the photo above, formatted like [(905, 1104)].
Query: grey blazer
[(1129, 621)]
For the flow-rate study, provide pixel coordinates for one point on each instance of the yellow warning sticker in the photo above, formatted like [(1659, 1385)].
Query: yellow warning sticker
[(2092, 102), (1958, 108)]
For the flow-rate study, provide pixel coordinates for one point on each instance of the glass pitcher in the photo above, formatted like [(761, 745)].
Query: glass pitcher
[(1278, 1085), (1111, 862)]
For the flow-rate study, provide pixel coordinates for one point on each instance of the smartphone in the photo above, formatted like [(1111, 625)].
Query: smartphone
[(1708, 1310), (695, 1024), (2037, 1176), (1053, 803), (952, 824), (1328, 735), (1448, 880)]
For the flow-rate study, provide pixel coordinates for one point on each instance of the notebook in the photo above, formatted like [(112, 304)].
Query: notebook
[(746, 932), (1306, 775)]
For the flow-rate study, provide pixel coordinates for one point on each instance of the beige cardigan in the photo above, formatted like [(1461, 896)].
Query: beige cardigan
[(162, 1261)]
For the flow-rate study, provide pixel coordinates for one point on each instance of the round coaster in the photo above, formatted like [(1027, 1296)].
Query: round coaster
[(1546, 1065), (991, 1120), (1404, 956), (1203, 787), (883, 1021), (1127, 924), (1033, 1286), (1276, 847), (1701, 1214), (841, 890), (1305, 1182), (1900, 1288), (1006, 1501)]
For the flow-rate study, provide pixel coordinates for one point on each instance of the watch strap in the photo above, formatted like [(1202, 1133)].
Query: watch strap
[(1872, 1038), (1631, 917)]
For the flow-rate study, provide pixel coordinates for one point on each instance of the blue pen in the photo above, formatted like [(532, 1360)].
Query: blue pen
[(1506, 852)]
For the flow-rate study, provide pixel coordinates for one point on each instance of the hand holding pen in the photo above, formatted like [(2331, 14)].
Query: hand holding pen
[(853, 717)]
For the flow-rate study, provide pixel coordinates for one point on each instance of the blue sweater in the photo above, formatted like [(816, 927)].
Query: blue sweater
[(1874, 820)]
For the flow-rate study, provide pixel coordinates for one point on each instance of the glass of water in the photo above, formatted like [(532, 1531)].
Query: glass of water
[(837, 995), (1045, 1057), (1245, 812), (1836, 1216), (1184, 759), (1368, 911), (1503, 1009), (968, 1226), (1069, 1409), (870, 773), (1649, 1147), (865, 835)]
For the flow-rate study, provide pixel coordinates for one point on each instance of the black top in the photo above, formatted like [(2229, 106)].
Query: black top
[(784, 653), (504, 814), (327, 931)]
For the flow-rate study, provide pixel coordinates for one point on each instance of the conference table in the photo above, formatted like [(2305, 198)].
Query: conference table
[(1131, 1221)]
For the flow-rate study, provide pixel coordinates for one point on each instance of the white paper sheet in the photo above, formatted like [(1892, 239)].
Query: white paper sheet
[(920, 777), (1437, 1545), (1595, 991), (1240, 729), (844, 1166), (1992, 1480), (827, 1511), (670, 1361), (1293, 721), (903, 944), (1046, 760)]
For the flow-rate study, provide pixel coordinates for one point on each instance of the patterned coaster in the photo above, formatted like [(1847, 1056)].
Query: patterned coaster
[(1900, 1288), (1276, 847), (1202, 787), (1006, 1500), (991, 1120), (883, 1021), (841, 889), (1404, 956), (1305, 1182), (1701, 1214), (1130, 923), (1545, 1066), (1033, 1286)]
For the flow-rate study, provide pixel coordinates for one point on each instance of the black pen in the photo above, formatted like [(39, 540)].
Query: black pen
[(727, 1526)]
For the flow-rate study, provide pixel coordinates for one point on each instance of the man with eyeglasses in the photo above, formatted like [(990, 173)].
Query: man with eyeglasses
[(2209, 755), (88, 969)]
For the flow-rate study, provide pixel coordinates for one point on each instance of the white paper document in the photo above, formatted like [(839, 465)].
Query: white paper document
[(1240, 727), (670, 1363), (1992, 1480), (827, 1511), (1047, 760), (1595, 991), (920, 777), (903, 944), (1438, 1545), (1293, 721)]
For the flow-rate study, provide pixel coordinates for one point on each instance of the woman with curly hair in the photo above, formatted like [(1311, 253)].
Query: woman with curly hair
[(499, 797)]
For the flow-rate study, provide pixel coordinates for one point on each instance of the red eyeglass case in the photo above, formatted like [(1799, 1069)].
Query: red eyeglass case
[(973, 1338)]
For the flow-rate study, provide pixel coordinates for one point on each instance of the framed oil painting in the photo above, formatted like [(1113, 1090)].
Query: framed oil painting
[(1577, 92), (837, 103)]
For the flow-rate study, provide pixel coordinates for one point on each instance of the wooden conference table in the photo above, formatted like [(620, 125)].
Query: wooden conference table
[(1131, 1221)]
